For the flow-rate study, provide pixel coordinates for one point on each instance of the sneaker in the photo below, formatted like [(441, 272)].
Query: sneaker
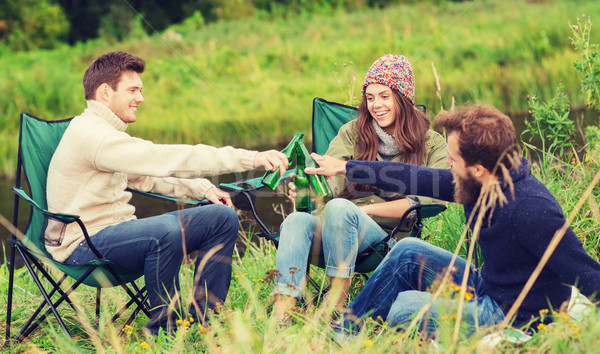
[(339, 334)]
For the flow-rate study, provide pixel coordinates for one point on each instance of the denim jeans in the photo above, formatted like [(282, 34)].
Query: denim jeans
[(155, 245), (340, 233), (401, 285)]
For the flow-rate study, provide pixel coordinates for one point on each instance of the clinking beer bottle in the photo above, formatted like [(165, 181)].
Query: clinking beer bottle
[(302, 201), (317, 181), (271, 178)]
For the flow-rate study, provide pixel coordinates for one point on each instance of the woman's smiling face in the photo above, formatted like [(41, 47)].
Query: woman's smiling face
[(382, 106)]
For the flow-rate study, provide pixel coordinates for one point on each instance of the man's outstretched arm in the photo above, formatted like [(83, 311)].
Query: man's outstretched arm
[(391, 176)]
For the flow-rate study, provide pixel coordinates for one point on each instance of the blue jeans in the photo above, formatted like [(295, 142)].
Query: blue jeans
[(155, 245), (340, 233), (401, 285)]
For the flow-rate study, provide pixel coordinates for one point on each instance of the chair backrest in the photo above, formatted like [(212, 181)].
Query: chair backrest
[(327, 118), (38, 139)]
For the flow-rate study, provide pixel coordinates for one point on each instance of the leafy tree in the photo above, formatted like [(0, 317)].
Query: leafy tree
[(30, 24)]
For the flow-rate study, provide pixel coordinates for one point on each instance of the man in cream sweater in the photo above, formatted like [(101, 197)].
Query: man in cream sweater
[(97, 160)]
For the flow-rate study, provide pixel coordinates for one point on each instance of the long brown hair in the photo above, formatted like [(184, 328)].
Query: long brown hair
[(410, 128)]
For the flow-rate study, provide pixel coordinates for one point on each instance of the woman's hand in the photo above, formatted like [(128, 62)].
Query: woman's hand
[(328, 166), (218, 196), (292, 189), (271, 160)]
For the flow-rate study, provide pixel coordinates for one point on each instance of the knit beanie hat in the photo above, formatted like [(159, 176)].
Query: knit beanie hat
[(393, 71)]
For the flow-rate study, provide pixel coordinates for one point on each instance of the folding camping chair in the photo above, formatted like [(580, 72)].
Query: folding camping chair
[(327, 118), (38, 139)]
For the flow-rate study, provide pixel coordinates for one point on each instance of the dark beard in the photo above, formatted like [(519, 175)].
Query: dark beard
[(466, 189)]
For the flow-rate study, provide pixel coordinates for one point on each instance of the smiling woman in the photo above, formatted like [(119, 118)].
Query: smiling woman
[(389, 128)]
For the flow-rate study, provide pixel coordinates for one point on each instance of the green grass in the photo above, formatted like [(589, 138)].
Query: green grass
[(245, 325), (251, 82)]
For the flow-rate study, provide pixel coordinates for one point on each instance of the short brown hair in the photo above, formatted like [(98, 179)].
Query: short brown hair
[(485, 135), (108, 69)]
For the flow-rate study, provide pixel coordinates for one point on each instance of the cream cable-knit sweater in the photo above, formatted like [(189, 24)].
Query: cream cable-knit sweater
[(96, 160)]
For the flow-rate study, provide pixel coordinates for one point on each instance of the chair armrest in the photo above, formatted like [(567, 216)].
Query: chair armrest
[(244, 197), (193, 202), (429, 210), (249, 184), (63, 217), (423, 211)]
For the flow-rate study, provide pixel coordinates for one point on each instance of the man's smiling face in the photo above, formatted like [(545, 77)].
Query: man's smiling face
[(124, 101)]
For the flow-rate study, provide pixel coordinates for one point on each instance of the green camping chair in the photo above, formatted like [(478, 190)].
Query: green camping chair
[(327, 118), (38, 139)]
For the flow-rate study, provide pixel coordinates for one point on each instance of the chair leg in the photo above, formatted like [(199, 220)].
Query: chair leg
[(11, 277), (133, 315), (133, 296), (56, 285), (98, 293), (142, 296), (29, 327)]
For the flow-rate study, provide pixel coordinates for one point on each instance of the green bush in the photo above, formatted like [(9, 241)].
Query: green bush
[(31, 24)]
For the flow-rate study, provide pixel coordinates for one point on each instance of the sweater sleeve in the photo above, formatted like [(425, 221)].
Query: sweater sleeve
[(569, 260), (436, 158), (119, 152), (341, 147), (194, 188), (403, 178)]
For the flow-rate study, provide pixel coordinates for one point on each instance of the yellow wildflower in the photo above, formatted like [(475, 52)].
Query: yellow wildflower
[(179, 322), (191, 320), (186, 323), (144, 345), (368, 342), (563, 316), (542, 327)]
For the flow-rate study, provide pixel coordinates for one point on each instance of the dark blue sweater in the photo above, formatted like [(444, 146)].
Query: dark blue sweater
[(512, 242)]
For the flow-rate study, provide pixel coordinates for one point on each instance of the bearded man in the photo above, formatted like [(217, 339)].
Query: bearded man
[(513, 215)]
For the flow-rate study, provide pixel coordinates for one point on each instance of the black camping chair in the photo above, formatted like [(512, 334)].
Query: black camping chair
[(38, 139), (327, 118)]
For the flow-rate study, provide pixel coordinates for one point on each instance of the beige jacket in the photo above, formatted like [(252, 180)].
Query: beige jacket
[(96, 160)]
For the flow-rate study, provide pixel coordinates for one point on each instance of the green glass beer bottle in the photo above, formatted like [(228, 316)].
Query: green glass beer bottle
[(302, 201), (271, 178), (318, 182)]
